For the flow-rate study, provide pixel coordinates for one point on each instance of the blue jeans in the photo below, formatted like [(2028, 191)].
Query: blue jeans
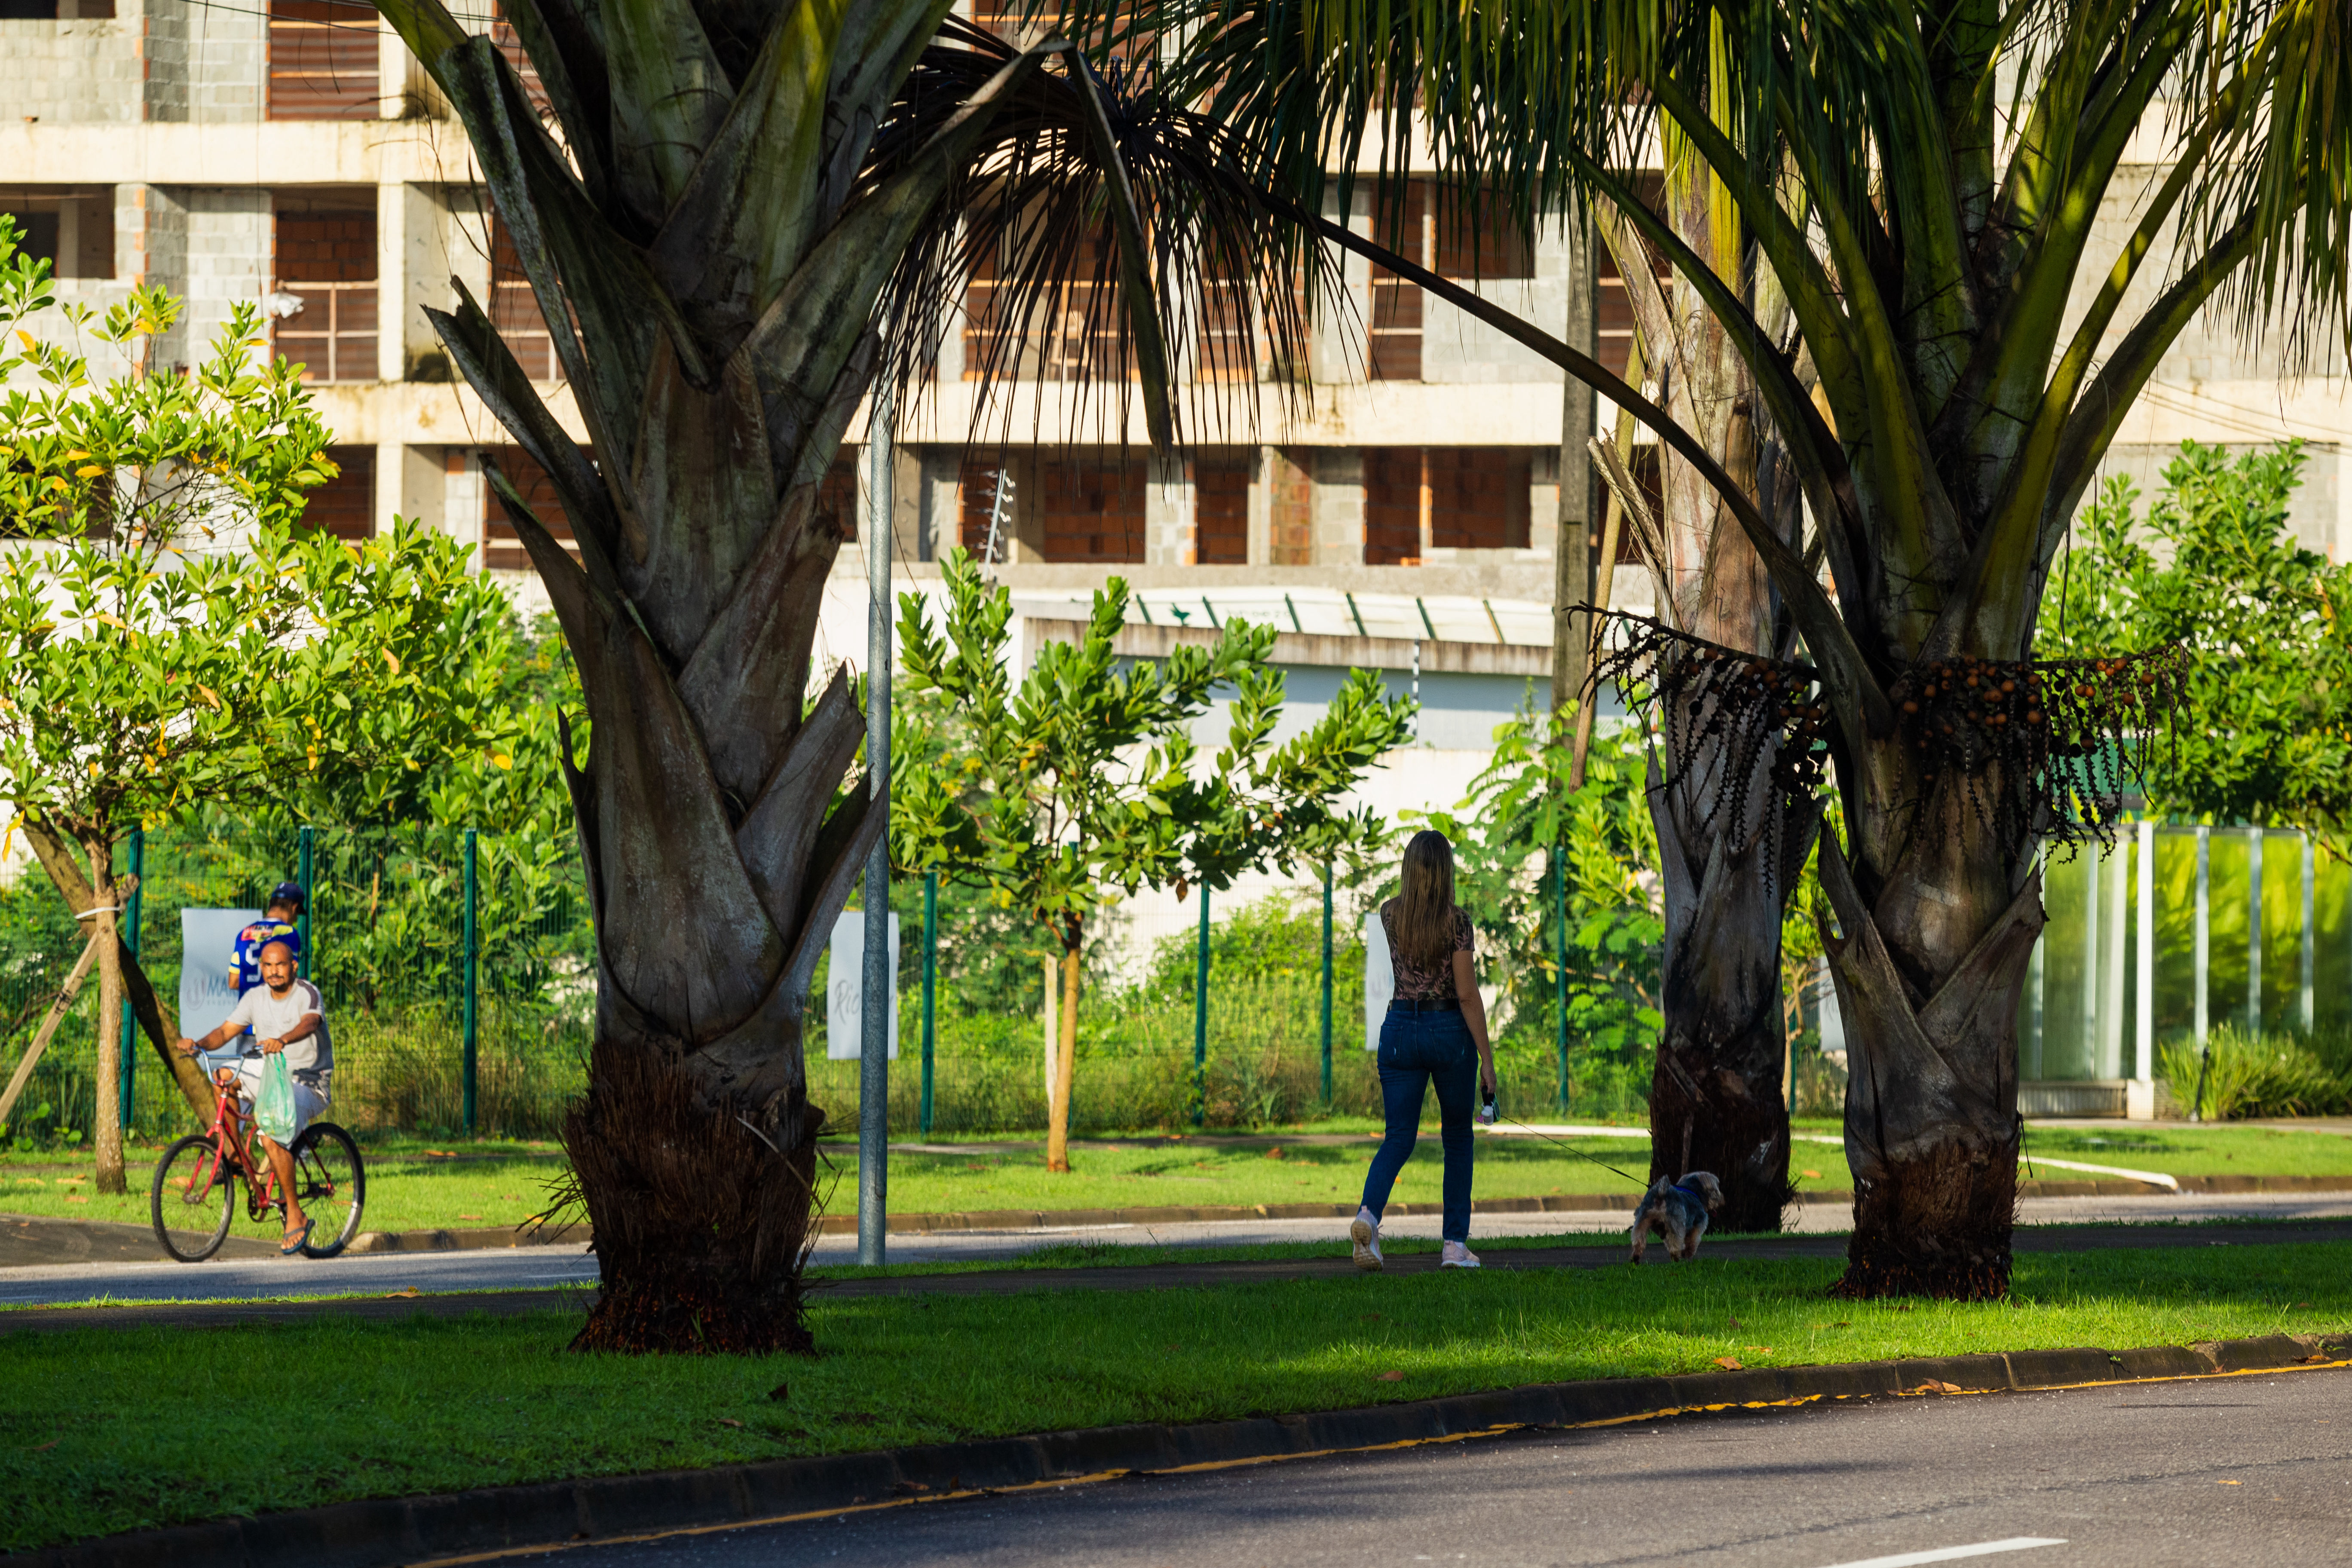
[(1419, 1051)]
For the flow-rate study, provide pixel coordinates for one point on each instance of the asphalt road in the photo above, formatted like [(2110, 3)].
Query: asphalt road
[(2248, 1472), (118, 1276)]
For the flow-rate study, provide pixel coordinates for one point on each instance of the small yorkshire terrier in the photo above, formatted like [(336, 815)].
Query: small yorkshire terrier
[(1677, 1211)]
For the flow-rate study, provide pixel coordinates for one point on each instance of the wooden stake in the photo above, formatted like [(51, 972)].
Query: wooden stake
[(58, 1010)]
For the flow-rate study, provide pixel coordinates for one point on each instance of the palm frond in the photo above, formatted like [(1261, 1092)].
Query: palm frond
[(1030, 220)]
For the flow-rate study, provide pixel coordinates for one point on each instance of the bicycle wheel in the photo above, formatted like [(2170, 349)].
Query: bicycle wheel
[(192, 1199), (332, 1186)]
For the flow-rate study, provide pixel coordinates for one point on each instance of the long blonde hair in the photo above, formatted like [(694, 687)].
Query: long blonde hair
[(1421, 917)]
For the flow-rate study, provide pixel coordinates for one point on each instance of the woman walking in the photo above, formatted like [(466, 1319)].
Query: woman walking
[(1435, 1024)]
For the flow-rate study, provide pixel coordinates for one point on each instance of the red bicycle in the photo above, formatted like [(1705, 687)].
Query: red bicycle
[(193, 1197)]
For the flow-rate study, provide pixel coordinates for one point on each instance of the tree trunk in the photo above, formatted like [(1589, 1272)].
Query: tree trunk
[(1929, 965), (105, 1147), (1058, 1110), (1717, 1101), (1729, 851)]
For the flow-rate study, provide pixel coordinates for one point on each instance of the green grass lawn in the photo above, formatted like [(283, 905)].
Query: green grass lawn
[(417, 1185), (412, 1184), (98, 1426), (2205, 1150)]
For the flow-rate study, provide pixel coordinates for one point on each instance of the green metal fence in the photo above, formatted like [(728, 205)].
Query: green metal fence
[(458, 971), (459, 974)]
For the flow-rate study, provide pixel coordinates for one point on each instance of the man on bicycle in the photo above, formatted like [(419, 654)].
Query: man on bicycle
[(285, 1014)]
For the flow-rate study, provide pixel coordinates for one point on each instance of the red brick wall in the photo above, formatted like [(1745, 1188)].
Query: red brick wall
[(1290, 510), (346, 505), (1220, 483), (502, 546), (975, 495), (1478, 497), (514, 310), (1091, 511), (326, 247), (1391, 505), (1393, 342)]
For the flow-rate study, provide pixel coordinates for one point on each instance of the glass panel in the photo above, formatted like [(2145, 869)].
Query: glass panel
[(2331, 966), (2281, 930), (2067, 965), (2175, 933), (2225, 984)]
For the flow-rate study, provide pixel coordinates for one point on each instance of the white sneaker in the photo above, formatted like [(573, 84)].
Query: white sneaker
[(1458, 1256), (1365, 1232)]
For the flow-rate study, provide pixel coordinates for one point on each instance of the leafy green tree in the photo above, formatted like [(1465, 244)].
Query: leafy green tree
[(170, 638), (1074, 788), (2264, 734), (1926, 184), (726, 206)]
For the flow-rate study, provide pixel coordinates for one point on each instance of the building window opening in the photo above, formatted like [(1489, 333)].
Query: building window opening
[(1221, 487), (323, 60), (71, 228), (325, 302), (346, 505)]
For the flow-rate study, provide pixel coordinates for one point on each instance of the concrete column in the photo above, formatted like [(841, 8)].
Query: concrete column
[(2139, 1095), (391, 484), (424, 487), (1337, 507), (151, 236), (1171, 522), (391, 254), (1261, 506)]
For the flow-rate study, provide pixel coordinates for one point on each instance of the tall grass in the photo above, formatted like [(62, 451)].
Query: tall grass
[(2268, 1074)]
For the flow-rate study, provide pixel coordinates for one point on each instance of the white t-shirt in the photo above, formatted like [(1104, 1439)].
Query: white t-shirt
[(311, 1058)]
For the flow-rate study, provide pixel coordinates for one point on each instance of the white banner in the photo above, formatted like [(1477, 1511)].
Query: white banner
[(845, 989), (1380, 978), (207, 938)]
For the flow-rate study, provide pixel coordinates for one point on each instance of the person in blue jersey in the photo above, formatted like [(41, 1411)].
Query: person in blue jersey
[(277, 924)]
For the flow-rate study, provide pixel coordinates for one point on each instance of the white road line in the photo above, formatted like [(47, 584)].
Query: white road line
[(1953, 1553)]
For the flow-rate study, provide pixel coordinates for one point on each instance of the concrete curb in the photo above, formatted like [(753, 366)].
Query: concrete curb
[(500, 1521), (1559, 1203)]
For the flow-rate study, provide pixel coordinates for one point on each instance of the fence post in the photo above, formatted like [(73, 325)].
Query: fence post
[(1559, 967), (1201, 1018), (876, 1012), (472, 966), (128, 1051), (930, 982), (2144, 963), (1327, 988), (2310, 939), (304, 925)]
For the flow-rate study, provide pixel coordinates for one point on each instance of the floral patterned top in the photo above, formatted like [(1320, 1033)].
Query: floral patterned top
[(1425, 982)]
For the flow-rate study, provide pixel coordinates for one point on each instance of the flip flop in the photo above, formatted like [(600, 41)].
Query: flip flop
[(298, 1242)]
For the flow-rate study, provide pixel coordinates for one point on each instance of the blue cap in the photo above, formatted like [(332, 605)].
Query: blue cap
[(287, 893)]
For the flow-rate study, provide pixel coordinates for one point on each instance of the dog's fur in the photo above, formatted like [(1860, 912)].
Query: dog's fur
[(1676, 1210)]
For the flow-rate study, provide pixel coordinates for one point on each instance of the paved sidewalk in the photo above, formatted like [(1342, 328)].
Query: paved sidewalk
[(543, 1267)]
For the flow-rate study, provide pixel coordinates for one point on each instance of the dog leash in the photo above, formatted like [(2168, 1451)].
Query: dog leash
[(1572, 1149)]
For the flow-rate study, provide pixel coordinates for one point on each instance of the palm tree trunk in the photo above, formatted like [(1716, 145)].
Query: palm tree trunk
[(1716, 1092), (1930, 962)]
